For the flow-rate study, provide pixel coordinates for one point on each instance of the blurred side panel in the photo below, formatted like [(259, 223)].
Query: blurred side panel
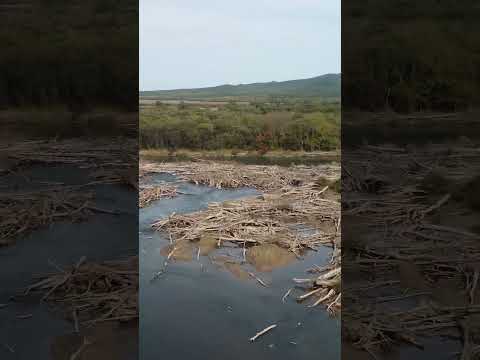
[(68, 179), (410, 179)]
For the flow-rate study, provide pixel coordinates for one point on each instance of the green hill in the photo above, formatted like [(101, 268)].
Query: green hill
[(324, 86)]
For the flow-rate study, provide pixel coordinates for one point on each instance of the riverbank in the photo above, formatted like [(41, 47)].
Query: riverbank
[(274, 157)]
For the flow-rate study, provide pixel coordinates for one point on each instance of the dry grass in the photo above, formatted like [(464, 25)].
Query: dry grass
[(272, 157)]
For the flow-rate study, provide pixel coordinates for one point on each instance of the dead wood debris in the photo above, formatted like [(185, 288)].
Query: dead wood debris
[(232, 175), (97, 292), (294, 198), (83, 153), (21, 213), (259, 220), (112, 162), (419, 257), (263, 332), (126, 175), (150, 194), (373, 329), (326, 287)]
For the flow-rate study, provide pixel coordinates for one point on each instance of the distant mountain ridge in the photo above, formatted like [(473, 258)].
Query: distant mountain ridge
[(324, 86)]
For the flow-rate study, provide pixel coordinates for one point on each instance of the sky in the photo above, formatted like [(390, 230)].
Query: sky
[(200, 43)]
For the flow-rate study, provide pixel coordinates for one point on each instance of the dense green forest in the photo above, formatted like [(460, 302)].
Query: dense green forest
[(75, 53), (410, 56), (277, 124), (324, 87)]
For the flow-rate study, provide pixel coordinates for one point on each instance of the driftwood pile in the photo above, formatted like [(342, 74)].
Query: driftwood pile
[(110, 162), (411, 270), (78, 152), (93, 292), (21, 213), (107, 162), (233, 175), (293, 212), (127, 176), (387, 328), (326, 285), (90, 292), (258, 220), (150, 194)]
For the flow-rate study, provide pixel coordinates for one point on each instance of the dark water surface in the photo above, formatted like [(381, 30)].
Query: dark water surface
[(196, 312)]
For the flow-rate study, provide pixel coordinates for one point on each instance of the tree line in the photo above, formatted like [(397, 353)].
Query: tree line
[(240, 127), (410, 56), (79, 54)]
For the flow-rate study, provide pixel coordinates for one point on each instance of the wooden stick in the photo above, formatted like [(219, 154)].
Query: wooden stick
[(76, 354), (310, 293), (284, 298), (75, 321), (26, 316), (258, 279), (330, 293), (264, 331)]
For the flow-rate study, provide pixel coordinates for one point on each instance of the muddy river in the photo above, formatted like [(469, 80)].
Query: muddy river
[(201, 308)]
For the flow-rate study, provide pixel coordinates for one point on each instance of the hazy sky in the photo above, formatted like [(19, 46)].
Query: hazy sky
[(198, 43)]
